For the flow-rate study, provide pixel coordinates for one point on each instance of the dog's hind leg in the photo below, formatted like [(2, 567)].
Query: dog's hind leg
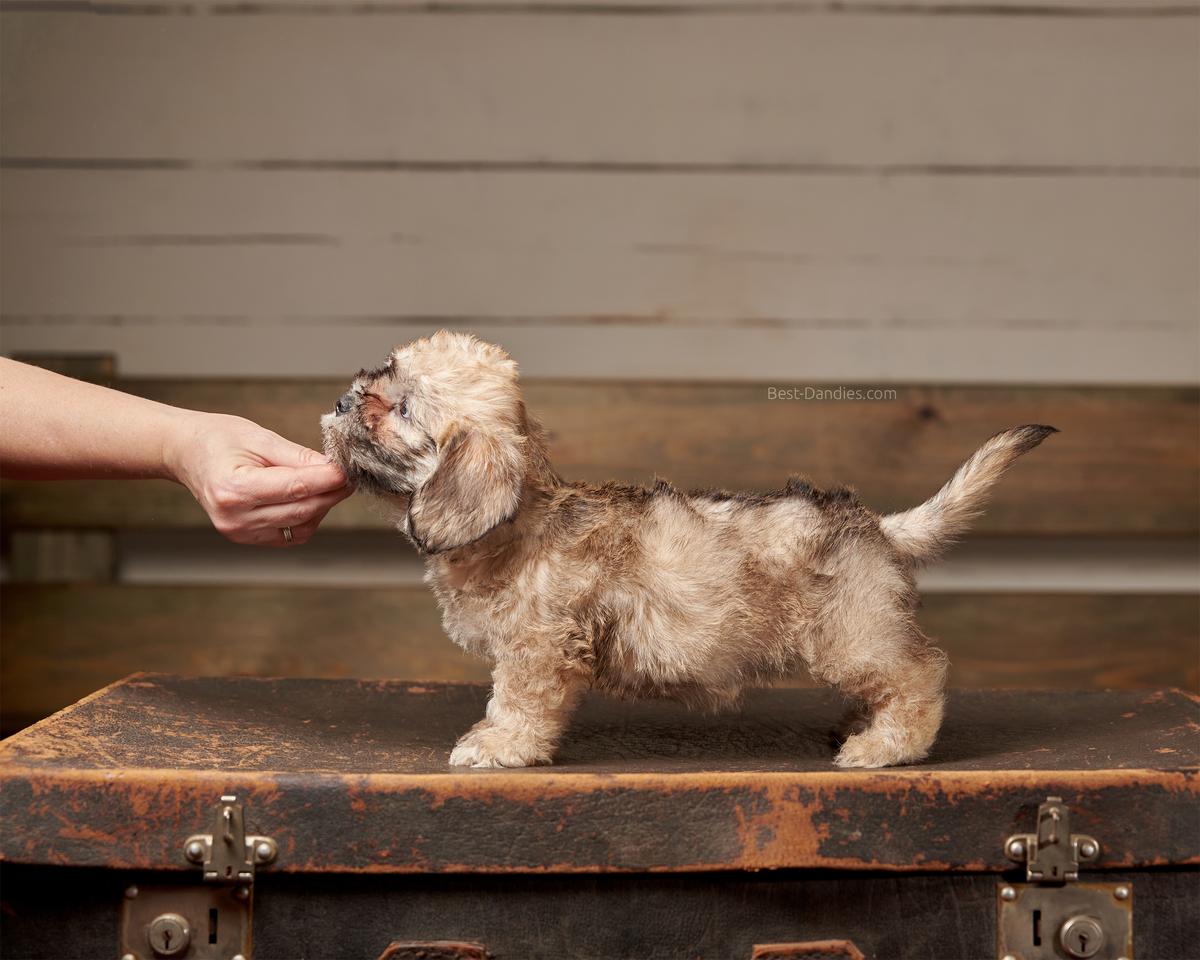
[(904, 695)]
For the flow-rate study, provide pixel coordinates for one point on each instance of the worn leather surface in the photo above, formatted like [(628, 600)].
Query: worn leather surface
[(55, 913), (365, 727), (351, 776)]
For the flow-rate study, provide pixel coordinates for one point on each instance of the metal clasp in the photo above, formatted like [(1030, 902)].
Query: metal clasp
[(227, 854), (1053, 853)]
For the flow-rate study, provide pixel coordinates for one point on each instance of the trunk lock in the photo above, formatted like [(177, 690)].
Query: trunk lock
[(1053, 914), (190, 920)]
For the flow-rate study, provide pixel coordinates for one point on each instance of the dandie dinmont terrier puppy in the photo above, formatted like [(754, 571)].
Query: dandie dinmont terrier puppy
[(644, 591)]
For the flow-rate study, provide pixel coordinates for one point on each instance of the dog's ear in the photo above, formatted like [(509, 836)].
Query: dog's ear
[(477, 485)]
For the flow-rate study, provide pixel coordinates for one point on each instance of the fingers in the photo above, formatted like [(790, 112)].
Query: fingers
[(300, 513), (273, 536), (265, 485), (283, 452)]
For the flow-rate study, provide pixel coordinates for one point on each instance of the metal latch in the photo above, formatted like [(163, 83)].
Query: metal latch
[(189, 920), (228, 855), (1053, 853), (1054, 915)]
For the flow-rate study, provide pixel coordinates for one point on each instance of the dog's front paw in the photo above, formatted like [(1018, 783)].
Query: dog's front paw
[(487, 745), (870, 749), (860, 751)]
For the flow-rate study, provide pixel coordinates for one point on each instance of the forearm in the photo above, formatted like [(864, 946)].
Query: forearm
[(56, 427), (255, 486)]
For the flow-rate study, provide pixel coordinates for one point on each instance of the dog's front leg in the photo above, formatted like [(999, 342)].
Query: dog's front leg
[(532, 699)]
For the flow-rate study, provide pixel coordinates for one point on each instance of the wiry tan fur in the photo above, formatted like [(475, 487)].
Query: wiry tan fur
[(648, 592)]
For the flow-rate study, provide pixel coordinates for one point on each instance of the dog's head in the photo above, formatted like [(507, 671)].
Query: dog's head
[(442, 427)]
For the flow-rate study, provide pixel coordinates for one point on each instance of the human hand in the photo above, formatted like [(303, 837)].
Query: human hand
[(251, 482)]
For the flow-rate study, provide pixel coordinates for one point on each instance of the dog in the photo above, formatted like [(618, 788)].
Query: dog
[(644, 591)]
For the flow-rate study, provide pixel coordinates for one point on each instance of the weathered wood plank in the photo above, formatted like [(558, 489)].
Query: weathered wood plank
[(897, 278), (643, 347), (908, 255), (820, 89), (53, 556), (1127, 460), (1137, 9), (62, 642)]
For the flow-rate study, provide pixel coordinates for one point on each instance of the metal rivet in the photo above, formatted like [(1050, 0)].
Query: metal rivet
[(1009, 956), (195, 850), (1121, 893), (1008, 893), (1087, 849), (131, 891), (129, 956), (238, 956), (242, 892), (264, 851), (1017, 848)]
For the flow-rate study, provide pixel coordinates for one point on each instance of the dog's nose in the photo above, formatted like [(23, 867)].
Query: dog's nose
[(342, 405)]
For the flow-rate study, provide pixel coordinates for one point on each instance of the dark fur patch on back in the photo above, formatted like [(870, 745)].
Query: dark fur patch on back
[(833, 497), (796, 486)]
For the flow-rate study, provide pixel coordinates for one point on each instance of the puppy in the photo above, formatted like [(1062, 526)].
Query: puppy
[(649, 592)]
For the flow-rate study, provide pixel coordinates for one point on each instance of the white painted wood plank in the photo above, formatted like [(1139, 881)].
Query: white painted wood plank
[(869, 90), (943, 254), (1124, 8), (792, 358)]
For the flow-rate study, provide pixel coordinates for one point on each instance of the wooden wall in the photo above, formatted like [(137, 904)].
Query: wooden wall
[(920, 191), (662, 209)]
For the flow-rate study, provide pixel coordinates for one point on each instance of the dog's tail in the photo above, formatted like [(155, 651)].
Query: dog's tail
[(925, 531)]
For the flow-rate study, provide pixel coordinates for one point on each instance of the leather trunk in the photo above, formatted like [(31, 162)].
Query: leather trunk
[(658, 833)]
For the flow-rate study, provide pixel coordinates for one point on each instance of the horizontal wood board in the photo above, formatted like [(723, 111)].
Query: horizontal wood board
[(888, 190), (62, 642), (743, 89), (904, 268), (350, 777), (1124, 9), (1127, 461)]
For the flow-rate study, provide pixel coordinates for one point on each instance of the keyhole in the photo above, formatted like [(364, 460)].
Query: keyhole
[(169, 935), (1037, 928), (1082, 936), (212, 924)]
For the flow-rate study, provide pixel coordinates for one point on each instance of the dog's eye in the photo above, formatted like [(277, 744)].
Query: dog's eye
[(403, 408)]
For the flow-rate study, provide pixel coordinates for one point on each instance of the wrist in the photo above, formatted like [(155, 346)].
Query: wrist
[(180, 433)]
